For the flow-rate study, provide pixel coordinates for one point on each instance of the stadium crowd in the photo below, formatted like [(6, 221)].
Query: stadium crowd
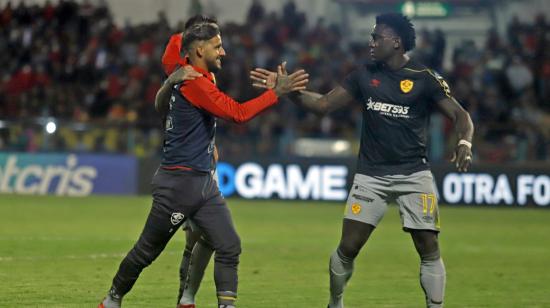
[(70, 62)]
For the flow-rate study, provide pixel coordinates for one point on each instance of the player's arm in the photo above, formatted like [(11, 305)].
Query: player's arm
[(464, 128), (323, 104), (162, 98), (316, 102), (205, 95)]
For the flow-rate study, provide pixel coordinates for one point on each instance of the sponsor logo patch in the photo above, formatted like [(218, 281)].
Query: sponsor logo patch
[(387, 109), (428, 219), (176, 218), (406, 85)]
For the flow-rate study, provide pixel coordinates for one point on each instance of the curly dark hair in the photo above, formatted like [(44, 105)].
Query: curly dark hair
[(402, 25)]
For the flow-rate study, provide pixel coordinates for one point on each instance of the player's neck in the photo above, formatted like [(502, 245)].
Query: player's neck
[(397, 62), (194, 61)]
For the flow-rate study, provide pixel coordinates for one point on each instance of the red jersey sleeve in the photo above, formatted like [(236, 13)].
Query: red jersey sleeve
[(171, 57), (203, 94)]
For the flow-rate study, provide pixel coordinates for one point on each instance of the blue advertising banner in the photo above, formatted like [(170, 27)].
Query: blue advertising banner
[(316, 179), (67, 174), (295, 178)]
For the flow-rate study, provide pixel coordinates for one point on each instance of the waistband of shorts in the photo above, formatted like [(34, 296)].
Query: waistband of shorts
[(184, 169)]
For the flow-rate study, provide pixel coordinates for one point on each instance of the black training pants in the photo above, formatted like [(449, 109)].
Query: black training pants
[(177, 195)]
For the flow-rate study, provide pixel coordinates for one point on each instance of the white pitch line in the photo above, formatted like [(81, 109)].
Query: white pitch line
[(75, 257)]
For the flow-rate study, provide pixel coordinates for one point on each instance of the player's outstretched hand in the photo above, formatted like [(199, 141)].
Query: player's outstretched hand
[(296, 81), (183, 73), (462, 157), (265, 79)]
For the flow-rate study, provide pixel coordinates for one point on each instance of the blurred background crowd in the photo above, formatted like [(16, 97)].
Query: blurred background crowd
[(68, 63)]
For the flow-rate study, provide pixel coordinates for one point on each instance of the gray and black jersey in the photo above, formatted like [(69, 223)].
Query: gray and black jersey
[(396, 105)]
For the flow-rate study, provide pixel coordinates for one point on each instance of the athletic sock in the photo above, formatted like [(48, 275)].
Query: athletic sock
[(226, 299), (184, 270), (202, 252), (340, 269), (432, 280), (113, 299)]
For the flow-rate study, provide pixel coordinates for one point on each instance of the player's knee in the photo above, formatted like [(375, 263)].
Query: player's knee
[(349, 249), (229, 250), (426, 244), (143, 256), (430, 256)]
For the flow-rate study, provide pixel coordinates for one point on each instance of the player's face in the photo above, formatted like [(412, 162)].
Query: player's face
[(383, 43), (214, 53)]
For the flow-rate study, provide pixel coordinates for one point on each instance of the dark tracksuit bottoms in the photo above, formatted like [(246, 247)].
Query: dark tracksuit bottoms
[(196, 195)]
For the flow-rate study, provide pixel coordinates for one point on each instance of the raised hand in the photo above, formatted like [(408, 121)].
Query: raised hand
[(288, 83), (265, 79)]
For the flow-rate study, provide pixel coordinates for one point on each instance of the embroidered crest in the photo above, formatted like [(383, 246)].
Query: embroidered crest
[(176, 218), (406, 85), (356, 208)]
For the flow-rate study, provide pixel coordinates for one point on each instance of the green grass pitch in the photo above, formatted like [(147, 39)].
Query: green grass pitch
[(63, 252)]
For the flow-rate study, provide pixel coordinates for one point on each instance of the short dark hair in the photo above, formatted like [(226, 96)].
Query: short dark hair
[(199, 32), (199, 19), (402, 25)]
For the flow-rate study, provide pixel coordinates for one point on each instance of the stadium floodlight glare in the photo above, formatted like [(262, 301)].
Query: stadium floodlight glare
[(51, 127), (340, 146)]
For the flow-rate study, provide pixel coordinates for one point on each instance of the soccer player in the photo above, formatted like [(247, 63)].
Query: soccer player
[(198, 251), (184, 186), (397, 96)]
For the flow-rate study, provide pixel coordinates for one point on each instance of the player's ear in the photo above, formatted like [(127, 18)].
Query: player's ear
[(396, 44), (199, 51)]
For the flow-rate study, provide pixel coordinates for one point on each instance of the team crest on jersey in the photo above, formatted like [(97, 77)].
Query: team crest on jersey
[(176, 218), (356, 208), (406, 85)]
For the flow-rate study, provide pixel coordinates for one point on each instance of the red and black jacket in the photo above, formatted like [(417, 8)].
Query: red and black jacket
[(195, 105)]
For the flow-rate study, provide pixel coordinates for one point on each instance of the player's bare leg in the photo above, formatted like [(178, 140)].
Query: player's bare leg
[(432, 269), (354, 235)]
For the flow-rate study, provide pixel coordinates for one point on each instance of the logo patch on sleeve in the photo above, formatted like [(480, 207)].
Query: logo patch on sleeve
[(406, 85)]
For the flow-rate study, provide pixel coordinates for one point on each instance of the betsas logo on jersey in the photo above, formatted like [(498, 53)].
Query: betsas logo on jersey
[(388, 109), (251, 180)]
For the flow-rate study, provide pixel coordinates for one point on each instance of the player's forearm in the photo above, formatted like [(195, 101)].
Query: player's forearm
[(244, 112), (312, 101), (162, 99), (205, 95), (464, 126)]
